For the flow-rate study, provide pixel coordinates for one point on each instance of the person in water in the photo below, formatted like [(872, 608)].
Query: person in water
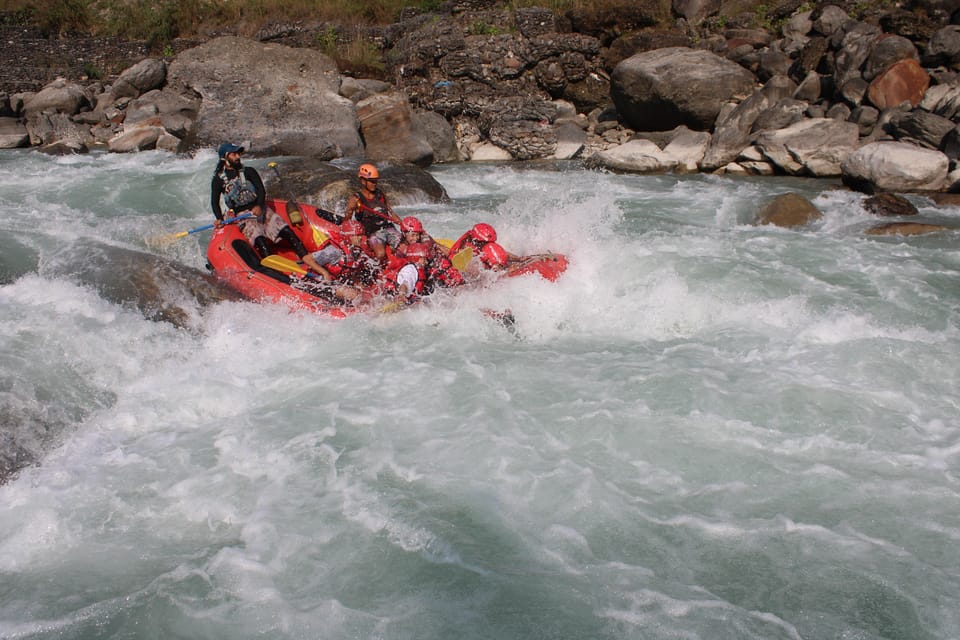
[(370, 208), (241, 189)]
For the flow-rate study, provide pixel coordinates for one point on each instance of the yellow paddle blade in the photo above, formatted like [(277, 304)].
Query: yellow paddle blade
[(462, 259), (283, 264), (319, 237), (392, 307)]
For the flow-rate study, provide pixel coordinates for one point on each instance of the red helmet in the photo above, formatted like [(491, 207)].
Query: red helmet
[(417, 250), (484, 232), (351, 228), (493, 255), (410, 223), (368, 171)]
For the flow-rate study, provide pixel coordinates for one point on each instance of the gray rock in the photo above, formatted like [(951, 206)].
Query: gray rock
[(146, 75), (328, 186), (46, 128), (356, 89), (921, 128), (733, 129), (284, 100), (139, 138), (571, 140), (829, 20), (780, 115), (895, 166), (59, 96), (798, 26), (853, 52), (944, 47), (943, 100), (866, 118), (635, 156), (810, 147), (886, 50), (810, 89), (438, 133), (661, 89)]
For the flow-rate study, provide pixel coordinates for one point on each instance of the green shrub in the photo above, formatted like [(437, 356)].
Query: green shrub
[(55, 17)]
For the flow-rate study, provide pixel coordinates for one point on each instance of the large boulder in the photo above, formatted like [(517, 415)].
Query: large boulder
[(734, 127), (59, 96), (283, 100), (812, 147), (662, 89), (438, 133), (895, 166), (146, 75), (788, 210), (386, 122), (903, 81), (328, 186)]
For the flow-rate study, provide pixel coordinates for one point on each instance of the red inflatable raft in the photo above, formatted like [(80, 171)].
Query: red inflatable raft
[(233, 260)]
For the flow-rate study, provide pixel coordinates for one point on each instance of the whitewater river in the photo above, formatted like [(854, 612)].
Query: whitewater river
[(703, 430)]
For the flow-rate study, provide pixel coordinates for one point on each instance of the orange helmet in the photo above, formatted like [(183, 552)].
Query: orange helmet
[(368, 172), (493, 255), (484, 232), (417, 250), (351, 228), (410, 223)]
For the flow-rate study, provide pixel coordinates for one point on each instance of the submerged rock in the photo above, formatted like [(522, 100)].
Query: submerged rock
[(158, 287)]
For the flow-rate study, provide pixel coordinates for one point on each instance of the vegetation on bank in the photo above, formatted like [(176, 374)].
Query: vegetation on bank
[(341, 28), (164, 20)]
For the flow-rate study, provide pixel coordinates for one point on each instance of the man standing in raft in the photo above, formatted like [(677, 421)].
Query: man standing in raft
[(242, 191), (369, 207)]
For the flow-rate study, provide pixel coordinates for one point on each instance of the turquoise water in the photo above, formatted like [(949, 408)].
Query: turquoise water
[(706, 429)]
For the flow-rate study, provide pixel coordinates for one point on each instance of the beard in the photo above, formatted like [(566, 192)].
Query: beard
[(234, 165)]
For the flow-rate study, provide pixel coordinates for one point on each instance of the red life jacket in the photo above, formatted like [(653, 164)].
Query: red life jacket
[(356, 264), (389, 280), (442, 273)]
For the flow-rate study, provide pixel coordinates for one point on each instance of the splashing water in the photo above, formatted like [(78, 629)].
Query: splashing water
[(704, 429)]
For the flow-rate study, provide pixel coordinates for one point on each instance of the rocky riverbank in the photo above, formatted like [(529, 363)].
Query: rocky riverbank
[(873, 100)]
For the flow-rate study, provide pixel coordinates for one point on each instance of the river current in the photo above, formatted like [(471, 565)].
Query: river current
[(704, 430)]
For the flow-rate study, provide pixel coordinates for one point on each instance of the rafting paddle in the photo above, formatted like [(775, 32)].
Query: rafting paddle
[(162, 241), (286, 265)]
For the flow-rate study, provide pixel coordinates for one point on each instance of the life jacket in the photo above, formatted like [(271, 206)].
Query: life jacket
[(459, 245), (356, 264), (442, 273), (238, 193), (373, 214), (389, 280)]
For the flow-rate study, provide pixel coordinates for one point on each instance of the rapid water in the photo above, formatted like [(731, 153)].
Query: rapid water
[(704, 429)]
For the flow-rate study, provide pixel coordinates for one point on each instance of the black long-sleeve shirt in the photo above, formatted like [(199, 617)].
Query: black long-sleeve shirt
[(216, 189)]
